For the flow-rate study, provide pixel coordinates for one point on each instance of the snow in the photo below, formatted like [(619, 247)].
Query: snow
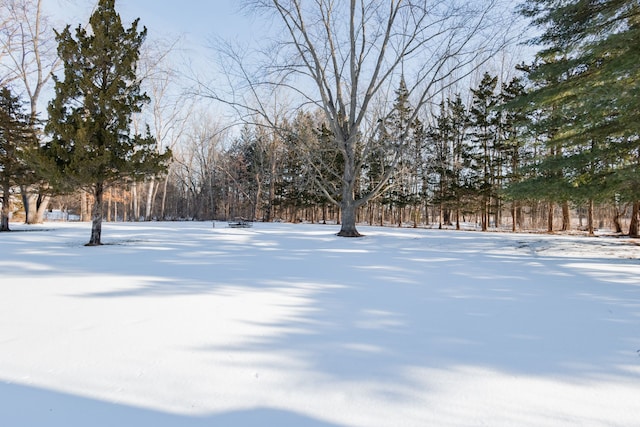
[(182, 324)]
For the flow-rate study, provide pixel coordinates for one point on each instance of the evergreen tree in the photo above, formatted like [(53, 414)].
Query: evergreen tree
[(590, 63), (483, 115), (399, 147), (16, 139), (441, 161), (450, 160), (513, 123), (90, 117)]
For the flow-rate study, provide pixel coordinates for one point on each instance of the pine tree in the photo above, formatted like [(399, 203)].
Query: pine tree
[(90, 117), (450, 160), (401, 141), (441, 162), (590, 63), (513, 123), (484, 120), (16, 139)]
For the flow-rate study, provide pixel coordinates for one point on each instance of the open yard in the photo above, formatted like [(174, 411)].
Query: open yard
[(185, 325)]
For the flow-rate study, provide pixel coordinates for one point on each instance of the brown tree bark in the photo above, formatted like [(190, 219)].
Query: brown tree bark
[(634, 225), (96, 216)]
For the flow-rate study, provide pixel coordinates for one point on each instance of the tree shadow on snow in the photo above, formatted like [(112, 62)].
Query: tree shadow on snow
[(377, 307), (35, 407)]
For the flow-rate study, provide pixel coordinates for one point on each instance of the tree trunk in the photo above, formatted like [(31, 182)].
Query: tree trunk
[(6, 210), (566, 217), (484, 214), (84, 214), (348, 225), (109, 202), (29, 200), (136, 205), (115, 208), (96, 216), (35, 205), (348, 204), (256, 202), (272, 190), (148, 209), (616, 223), (164, 198), (41, 207), (634, 224), (590, 218), (550, 218)]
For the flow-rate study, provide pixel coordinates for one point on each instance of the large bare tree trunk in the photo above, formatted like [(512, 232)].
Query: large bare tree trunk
[(344, 57), (349, 205), (35, 204), (348, 221), (29, 201), (42, 206)]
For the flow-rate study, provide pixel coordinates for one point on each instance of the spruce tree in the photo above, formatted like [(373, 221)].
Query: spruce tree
[(16, 139), (90, 118)]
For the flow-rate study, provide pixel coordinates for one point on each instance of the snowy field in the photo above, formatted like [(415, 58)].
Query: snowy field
[(185, 325)]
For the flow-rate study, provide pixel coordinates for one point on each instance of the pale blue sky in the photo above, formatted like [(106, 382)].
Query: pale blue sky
[(198, 20)]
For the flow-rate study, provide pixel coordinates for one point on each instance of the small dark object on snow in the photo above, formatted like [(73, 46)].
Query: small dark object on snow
[(240, 223)]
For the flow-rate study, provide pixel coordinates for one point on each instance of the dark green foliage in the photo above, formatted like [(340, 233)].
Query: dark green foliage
[(90, 118), (450, 160), (484, 134), (17, 140), (586, 89)]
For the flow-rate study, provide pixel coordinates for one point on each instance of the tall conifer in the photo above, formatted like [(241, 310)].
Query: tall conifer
[(90, 117), (590, 63)]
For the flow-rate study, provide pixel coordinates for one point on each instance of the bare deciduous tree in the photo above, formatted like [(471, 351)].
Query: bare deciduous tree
[(346, 58), (28, 61), (169, 110)]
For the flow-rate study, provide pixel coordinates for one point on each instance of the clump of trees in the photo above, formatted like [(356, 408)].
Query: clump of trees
[(17, 143), (584, 89), (91, 144), (351, 121)]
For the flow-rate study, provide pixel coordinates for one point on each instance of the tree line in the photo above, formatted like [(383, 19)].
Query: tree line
[(376, 133)]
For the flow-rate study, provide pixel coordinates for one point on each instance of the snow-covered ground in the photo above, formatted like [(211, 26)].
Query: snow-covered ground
[(185, 325)]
